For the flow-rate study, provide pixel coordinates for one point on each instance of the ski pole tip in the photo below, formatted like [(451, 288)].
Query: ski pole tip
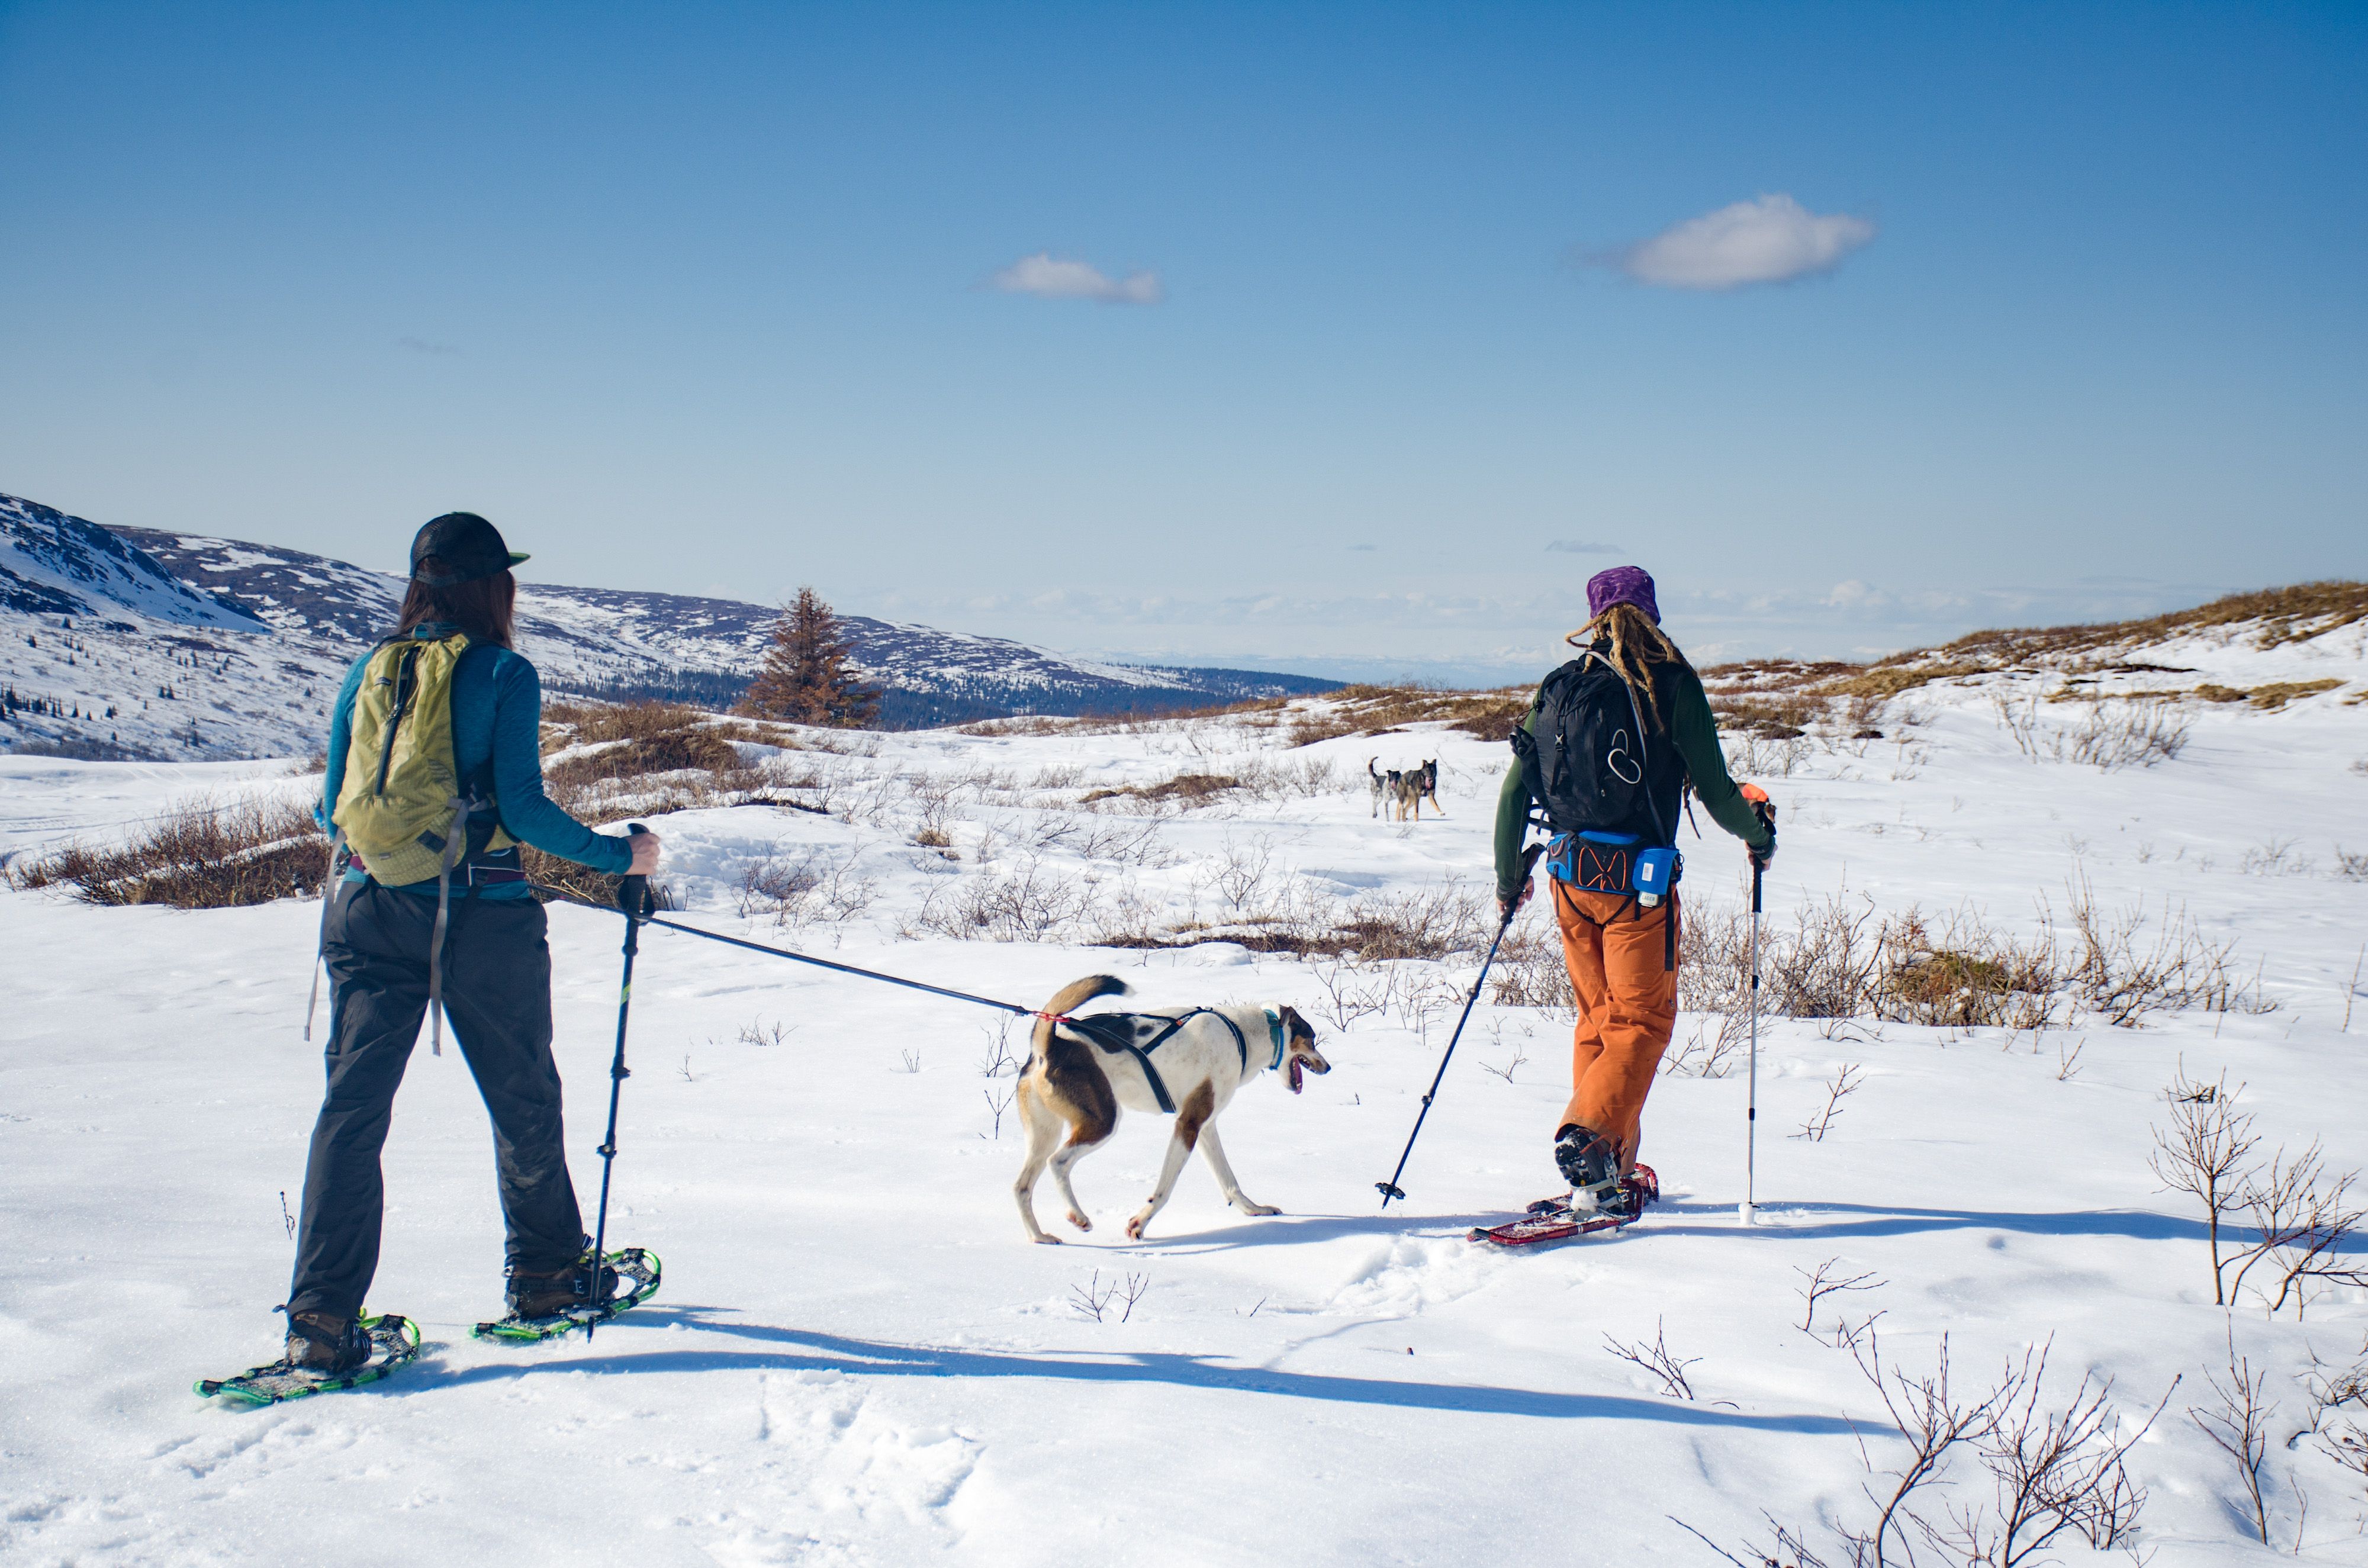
[(1746, 1214), (1389, 1190)]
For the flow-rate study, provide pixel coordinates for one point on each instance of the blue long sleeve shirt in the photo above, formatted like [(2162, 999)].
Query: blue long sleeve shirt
[(497, 714)]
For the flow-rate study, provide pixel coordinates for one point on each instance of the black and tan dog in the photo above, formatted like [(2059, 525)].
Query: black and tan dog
[(1080, 1070)]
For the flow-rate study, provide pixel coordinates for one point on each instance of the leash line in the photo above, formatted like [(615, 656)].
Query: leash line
[(563, 896)]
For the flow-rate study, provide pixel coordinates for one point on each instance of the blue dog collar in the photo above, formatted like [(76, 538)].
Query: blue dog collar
[(1274, 1028)]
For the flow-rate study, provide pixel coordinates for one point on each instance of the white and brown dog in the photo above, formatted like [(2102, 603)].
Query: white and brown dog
[(1080, 1070)]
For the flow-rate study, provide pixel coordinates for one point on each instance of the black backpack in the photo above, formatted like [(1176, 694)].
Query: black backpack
[(1596, 761)]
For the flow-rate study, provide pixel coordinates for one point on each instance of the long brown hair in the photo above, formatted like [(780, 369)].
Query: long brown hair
[(482, 607), (1634, 644)]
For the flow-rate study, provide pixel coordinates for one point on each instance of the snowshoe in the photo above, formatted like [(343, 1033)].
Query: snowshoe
[(1556, 1218), (628, 1278), (390, 1340)]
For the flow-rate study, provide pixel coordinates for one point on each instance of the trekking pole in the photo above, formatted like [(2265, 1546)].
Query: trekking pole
[(634, 898), (1391, 1188), (1747, 1212)]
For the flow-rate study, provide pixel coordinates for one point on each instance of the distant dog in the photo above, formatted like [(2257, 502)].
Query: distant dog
[(1080, 1070), (1385, 786), (1427, 776)]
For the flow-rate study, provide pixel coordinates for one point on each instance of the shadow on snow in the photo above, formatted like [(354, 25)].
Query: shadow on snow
[(807, 1350)]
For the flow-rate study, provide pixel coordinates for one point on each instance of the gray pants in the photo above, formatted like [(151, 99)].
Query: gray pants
[(497, 994)]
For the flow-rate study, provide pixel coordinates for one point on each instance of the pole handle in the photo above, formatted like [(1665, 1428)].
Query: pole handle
[(633, 893)]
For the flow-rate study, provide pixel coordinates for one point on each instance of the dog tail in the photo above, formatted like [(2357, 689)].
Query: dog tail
[(1069, 998), (1372, 770)]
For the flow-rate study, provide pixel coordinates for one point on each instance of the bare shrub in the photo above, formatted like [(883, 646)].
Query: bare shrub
[(2238, 1422), (1135, 843), (1659, 1360), (1846, 1083), (1964, 976), (2055, 1469), (2351, 867), (1707, 1052), (1530, 971), (1826, 1279), (1240, 877), (1431, 922), (200, 854), (2134, 735), (1353, 990), (1094, 1299), (2338, 1406), (2121, 976), (1828, 965), (2302, 1218), (2206, 1154), (1029, 904), (2275, 858), (806, 886)]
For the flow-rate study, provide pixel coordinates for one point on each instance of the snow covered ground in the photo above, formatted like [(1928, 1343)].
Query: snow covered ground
[(856, 1358)]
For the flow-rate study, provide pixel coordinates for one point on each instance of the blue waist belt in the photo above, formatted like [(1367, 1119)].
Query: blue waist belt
[(1613, 862)]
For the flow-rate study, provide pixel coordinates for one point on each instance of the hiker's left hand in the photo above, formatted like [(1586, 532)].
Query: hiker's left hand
[(646, 854)]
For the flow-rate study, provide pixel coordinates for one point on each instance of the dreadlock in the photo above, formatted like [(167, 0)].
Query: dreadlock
[(1628, 637)]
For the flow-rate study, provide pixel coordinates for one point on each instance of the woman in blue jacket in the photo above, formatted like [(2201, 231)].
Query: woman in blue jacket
[(494, 979)]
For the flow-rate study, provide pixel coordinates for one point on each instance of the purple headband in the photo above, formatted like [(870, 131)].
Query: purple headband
[(1622, 585)]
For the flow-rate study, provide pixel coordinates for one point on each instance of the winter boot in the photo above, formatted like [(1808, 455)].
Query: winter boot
[(325, 1343), (1589, 1163), (541, 1294)]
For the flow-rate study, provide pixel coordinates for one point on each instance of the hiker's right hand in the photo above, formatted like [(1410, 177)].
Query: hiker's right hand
[(646, 854), (1766, 852), (1506, 906)]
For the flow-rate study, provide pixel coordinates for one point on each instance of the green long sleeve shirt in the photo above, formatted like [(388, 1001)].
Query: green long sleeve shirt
[(1696, 734)]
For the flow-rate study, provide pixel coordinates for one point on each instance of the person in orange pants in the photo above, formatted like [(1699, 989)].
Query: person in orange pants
[(1627, 1009), (1610, 743)]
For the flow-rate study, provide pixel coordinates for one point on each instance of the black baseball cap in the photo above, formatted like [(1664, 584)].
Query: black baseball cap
[(468, 547)]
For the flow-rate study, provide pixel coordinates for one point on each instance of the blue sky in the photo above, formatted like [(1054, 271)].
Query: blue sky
[(728, 299)]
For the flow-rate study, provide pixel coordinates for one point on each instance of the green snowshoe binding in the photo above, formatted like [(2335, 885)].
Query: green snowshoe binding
[(629, 1278), (393, 1341)]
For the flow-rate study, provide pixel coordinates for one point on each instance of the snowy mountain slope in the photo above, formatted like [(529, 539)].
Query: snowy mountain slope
[(53, 564), (635, 644), (133, 643), (857, 1358)]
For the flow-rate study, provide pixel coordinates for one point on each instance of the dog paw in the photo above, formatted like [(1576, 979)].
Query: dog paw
[(1259, 1210), (1134, 1227), (1080, 1221), (1047, 1241)]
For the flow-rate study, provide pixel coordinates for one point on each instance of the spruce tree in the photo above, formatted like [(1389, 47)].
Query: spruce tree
[(804, 678)]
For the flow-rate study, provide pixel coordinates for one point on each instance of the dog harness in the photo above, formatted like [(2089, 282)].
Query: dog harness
[(1117, 1032)]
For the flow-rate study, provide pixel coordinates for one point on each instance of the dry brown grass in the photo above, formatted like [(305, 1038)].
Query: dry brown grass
[(198, 855), (1382, 710), (2287, 615), (1887, 679), (649, 758), (1186, 790)]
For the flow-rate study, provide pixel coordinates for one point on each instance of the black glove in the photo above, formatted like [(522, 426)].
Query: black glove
[(1505, 904), (1766, 852)]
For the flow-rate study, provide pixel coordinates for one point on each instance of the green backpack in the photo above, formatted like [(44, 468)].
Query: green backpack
[(400, 807)]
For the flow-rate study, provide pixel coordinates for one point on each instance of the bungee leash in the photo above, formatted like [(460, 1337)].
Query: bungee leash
[(642, 910)]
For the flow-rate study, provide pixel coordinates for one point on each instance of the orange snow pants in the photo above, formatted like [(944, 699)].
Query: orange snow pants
[(1618, 956)]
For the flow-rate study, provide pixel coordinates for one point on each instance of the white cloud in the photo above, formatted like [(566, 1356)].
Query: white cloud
[(1767, 241), (1581, 547), (1047, 278)]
